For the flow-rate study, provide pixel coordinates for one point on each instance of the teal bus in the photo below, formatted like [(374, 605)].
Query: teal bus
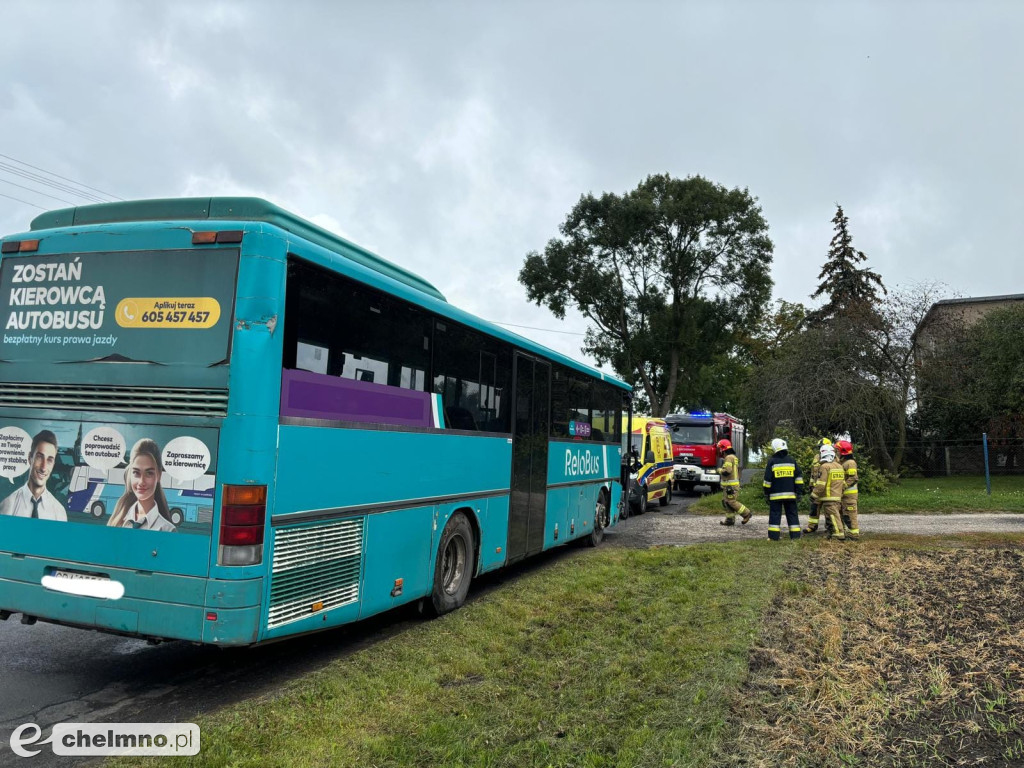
[(220, 423)]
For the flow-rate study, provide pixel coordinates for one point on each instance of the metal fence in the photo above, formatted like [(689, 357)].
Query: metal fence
[(967, 457)]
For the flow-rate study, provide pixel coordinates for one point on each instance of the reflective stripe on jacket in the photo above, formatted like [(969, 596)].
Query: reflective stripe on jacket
[(829, 485), (730, 470), (782, 478), (850, 467)]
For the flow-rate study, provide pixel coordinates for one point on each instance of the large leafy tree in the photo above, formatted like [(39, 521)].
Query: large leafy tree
[(846, 286), (670, 275)]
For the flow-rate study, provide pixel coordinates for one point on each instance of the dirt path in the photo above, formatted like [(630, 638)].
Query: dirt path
[(674, 525)]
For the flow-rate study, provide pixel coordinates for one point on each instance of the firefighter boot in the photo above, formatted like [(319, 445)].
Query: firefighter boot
[(747, 514), (728, 521), (812, 521)]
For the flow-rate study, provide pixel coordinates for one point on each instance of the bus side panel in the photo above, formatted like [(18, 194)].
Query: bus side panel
[(586, 467), (398, 546), (324, 468), (556, 522), (337, 483), (493, 533)]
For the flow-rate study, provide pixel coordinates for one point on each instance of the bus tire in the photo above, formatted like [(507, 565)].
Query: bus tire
[(602, 517), (98, 508), (454, 567), (176, 516)]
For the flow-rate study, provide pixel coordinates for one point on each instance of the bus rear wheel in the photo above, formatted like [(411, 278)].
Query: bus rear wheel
[(454, 567), (97, 509), (601, 520)]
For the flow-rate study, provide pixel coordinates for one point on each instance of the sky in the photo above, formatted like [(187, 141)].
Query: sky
[(453, 138)]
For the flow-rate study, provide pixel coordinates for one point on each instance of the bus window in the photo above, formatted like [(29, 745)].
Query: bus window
[(471, 374), (339, 328)]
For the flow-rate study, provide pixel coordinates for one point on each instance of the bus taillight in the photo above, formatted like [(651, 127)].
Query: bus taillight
[(243, 517)]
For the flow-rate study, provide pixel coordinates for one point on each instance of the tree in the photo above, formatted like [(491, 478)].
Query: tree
[(847, 287), (670, 275), (854, 374)]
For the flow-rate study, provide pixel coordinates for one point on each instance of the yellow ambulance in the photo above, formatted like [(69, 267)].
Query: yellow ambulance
[(651, 464)]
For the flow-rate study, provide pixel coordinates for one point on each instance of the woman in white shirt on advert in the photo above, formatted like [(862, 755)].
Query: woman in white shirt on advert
[(143, 504)]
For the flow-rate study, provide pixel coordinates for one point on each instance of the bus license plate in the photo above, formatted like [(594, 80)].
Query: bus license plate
[(77, 576), (85, 584)]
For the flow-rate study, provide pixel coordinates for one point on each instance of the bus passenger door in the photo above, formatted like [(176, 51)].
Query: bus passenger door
[(531, 424)]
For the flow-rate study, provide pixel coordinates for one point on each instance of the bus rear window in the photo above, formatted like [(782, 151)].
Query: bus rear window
[(162, 307)]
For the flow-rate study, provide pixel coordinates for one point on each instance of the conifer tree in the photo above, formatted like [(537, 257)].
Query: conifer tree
[(849, 289)]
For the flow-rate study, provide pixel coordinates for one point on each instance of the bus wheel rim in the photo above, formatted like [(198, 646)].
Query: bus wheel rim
[(454, 564)]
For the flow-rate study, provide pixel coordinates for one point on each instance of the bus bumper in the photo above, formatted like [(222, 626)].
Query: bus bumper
[(154, 606)]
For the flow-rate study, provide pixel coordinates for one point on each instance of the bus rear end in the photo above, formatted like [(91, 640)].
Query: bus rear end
[(118, 511)]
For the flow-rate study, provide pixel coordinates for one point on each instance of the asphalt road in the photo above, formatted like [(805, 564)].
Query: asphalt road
[(51, 674)]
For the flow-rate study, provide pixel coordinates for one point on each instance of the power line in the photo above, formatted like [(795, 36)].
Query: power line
[(47, 182), (531, 328), (36, 191), (57, 175), (26, 202)]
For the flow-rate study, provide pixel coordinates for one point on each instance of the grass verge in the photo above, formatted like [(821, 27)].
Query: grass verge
[(608, 657), (915, 494)]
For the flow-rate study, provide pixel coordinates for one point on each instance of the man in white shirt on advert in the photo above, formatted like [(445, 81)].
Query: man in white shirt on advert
[(33, 499)]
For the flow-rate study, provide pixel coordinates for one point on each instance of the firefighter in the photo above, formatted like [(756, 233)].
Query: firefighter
[(849, 503), (730, 472), (812, 521), (782, 483), (828, 490)]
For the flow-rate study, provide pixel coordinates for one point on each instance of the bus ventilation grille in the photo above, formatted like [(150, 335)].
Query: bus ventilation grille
[(179, 401), (315, 565)]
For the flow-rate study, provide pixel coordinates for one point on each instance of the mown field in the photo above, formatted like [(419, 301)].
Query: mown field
[(929, 495), (895, 652)]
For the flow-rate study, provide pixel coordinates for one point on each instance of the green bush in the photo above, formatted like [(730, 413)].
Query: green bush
[(804, 448)]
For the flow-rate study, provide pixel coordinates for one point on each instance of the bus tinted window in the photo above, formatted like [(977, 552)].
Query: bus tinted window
[(570, 405), (337, 327), (471, 373), (607, 418)]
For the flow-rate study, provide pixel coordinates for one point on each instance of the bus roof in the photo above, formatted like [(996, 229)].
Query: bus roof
[(242, 209), (229, 209)]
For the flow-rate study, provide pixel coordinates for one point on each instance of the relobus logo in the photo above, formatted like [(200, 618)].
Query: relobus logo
[(586, 463)]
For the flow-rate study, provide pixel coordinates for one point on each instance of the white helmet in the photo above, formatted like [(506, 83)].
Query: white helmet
[(778, 444), (827, 453)]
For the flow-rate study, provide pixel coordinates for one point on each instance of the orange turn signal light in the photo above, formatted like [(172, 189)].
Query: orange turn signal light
[(245, 494), (202, 238), (29, 246)]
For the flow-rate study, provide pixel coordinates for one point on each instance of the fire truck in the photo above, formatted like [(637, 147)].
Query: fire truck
[(694, 451)]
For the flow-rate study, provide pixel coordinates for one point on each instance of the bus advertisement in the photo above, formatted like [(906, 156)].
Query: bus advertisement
[(222, 424)]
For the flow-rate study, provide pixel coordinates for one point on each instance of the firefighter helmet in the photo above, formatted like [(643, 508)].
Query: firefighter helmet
[(845, 447), (778, 444), (724, 445), (827, 453), (824, 441)]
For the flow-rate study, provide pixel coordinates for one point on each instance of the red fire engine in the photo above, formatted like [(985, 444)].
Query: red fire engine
[(694, 437)]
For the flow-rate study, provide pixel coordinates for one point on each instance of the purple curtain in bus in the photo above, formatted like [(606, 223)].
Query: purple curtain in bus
[(318, 396)]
